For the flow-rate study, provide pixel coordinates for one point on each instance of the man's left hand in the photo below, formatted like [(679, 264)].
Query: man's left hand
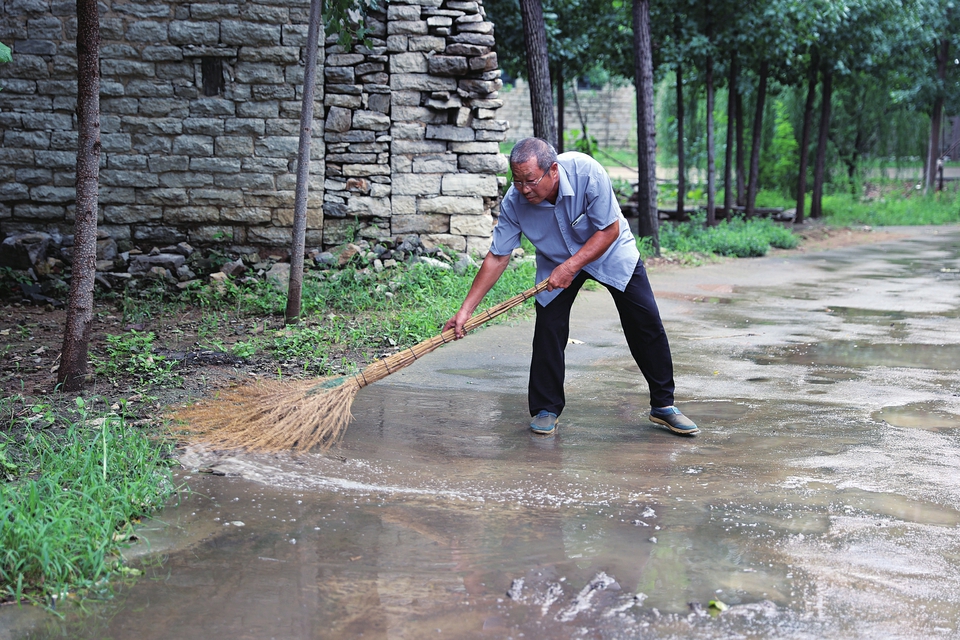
[(561, 277)]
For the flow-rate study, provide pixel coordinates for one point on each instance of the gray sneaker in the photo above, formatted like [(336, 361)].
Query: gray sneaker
[(544, 423), (671, 418)]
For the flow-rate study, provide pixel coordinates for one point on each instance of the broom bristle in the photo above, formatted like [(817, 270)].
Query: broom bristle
[(274, 416)]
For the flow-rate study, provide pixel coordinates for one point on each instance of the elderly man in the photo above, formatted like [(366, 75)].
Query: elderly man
[(566, 207)]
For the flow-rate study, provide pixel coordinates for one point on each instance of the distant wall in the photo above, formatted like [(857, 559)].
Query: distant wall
[(611, 113)]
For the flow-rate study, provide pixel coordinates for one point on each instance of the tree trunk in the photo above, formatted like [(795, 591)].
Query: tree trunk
[(819, 166), (805, 139), (754, 184), (681, 158), (933, 148), (538, 70), (295, 289), (76, 335), (728, 156), (561, 107), (741, 187), (711, 150), (649, 220)]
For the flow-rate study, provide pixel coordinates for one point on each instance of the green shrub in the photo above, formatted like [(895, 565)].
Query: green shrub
[(737, 237)]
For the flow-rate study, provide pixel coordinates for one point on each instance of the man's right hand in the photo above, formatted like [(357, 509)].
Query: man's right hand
[(456, 323), (490, 270)]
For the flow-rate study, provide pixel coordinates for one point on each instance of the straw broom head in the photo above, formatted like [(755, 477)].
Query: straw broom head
[(274, 416), (302, 414)]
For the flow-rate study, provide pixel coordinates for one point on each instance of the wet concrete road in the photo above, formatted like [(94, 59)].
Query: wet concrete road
[(821, 500)]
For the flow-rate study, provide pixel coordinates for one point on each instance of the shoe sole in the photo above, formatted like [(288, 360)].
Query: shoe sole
[(541, 432), (683, 432)]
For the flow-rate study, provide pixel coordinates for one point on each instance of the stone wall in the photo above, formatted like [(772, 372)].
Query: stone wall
[(411, 130), (200, 108), (611, 113)]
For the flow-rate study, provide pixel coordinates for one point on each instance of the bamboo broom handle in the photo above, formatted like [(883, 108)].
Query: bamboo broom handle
[(382, 368)]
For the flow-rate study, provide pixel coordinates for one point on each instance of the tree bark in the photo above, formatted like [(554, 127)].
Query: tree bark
[(711, 150), (728, 156), (295, 288), (538, 70), (681, 156), (805, 139), (756, 135), (76, 335), (741, 172), (819, 166), (649, 220), (933, 148), (561, 107)]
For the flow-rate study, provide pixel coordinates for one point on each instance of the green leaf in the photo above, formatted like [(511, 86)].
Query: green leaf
[(717, 606), (5, 53)]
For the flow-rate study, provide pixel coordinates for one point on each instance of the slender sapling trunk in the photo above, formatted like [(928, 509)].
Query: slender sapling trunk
[(76, 335)]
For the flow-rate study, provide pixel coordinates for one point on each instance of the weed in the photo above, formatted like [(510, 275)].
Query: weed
[(59, 528), (131, 354), (245, 349)]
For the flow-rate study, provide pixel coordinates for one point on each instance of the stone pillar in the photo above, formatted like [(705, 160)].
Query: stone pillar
[(420, 155)]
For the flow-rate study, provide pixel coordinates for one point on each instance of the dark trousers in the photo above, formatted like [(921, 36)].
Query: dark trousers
[(642, 327)]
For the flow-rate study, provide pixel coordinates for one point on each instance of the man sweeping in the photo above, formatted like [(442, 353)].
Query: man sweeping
[(566, 207)]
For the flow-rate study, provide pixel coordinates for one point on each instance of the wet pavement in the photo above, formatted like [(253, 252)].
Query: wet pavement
[(822, 498)]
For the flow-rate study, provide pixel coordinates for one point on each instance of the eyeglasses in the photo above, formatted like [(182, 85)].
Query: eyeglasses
[(531, 184)]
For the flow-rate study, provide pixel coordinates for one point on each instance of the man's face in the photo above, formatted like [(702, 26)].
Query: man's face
[(534, 183)]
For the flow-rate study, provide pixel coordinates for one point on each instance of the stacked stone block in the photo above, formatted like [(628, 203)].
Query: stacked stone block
[(411, 129)]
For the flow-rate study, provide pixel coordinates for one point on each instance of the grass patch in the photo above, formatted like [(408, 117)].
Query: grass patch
[(131, 354), (355, 314), (893, 209), (74, 488)]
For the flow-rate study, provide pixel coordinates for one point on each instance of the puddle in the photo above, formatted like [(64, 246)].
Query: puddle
[(414, 524), (485, 374), (673, 295), (898, 507), (859, 354), (831, 376), (917, 417)]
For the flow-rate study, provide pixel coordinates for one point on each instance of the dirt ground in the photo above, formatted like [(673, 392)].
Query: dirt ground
[(31, 338)]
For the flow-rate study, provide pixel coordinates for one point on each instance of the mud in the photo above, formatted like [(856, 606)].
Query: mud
[(822, 498)]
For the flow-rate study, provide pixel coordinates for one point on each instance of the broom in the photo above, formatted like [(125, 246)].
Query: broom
[(300, 415)]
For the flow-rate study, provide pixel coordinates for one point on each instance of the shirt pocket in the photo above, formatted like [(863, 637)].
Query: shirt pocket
[(581, 228)]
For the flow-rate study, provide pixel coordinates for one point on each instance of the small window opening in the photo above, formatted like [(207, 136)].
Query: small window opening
[(211, 69)]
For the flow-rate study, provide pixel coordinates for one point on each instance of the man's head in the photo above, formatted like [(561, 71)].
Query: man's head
[(535, 172)]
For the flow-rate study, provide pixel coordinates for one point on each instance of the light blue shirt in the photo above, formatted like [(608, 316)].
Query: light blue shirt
[(585, 204)]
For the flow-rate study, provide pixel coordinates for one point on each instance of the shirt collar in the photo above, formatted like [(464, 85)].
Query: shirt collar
[(566, 189)]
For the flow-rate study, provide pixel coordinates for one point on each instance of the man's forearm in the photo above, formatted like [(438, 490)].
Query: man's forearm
[(491, 269), (595, 246)]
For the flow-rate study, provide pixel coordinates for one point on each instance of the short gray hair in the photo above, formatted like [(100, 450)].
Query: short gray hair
[(537, 148)]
